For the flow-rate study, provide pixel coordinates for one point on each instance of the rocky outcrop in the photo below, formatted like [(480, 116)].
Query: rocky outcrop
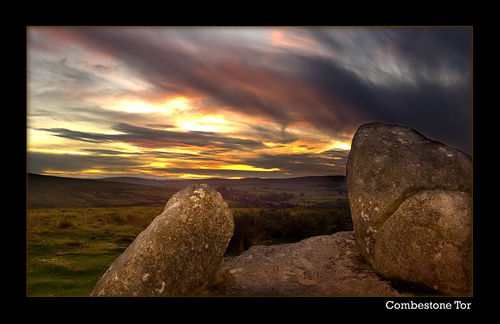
[(328, 265), (411, 206), (428, 240), (179, 253)]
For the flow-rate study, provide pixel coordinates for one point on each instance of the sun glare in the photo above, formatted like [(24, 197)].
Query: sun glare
[(243, 167), (337, 145), (140, 106), (159, 164), (92, 171), (194, 176), (177, 102), (204, 124)]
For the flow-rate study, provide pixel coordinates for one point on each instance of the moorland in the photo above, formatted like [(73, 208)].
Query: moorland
[(75, 228)]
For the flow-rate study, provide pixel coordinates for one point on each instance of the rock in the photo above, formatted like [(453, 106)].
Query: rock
[(179, 253), (425, 242), (327, 265), (411, 206)]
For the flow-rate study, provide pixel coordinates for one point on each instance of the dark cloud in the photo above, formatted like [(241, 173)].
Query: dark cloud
[(424, 50), (228, 75), (110, 152), (439, 111), (435, 48), (96, 115), (44, 162), (331, 80), (429, 87), (144, 136), (328, 162), (160, 126), (333, 94), (80, 136), (273, 134), (154, 138)]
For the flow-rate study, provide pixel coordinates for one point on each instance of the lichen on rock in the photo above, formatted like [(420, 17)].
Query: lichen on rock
[(178, 253), (390, 170), (327, 265)]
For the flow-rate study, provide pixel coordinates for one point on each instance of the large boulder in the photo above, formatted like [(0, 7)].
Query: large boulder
[(428, 240), (327, 265), (179, 253), (411, 206)]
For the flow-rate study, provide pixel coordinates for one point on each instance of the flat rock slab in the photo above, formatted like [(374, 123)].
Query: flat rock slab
[(327, 265)]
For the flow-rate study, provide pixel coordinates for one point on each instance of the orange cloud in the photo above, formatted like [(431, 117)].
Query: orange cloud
[(290, 38)]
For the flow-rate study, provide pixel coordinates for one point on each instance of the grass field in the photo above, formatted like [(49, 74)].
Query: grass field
[(71, 246), (48, 192), (69, 249)]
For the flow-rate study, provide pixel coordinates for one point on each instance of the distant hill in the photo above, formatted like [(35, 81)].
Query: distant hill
[(321, 191), (57, 192), (311, 181)]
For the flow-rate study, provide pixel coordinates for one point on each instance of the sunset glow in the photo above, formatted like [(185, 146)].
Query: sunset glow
[(173, 102)]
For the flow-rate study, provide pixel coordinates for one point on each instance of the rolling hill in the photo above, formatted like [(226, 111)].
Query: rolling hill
[(311, 181), (56, 192)]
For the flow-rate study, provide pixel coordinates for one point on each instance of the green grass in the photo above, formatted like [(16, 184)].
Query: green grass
[(50, 192), (75, 228), (69, 249)]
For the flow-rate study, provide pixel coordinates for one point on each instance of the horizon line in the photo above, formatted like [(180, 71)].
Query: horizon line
[(189, 179)]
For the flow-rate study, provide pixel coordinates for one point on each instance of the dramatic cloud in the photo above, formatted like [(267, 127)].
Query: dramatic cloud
[(216, 101), (153, 138)]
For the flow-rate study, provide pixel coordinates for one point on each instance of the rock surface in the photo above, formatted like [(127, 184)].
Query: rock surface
[(179, 253), (425, 242), (327, 265), (411, 206)]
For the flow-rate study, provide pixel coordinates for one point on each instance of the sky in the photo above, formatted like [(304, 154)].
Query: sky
[(236, 102)]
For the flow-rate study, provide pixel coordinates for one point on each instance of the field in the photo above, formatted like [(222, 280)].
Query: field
[(52, 192), (69, 249), (76, 228)]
